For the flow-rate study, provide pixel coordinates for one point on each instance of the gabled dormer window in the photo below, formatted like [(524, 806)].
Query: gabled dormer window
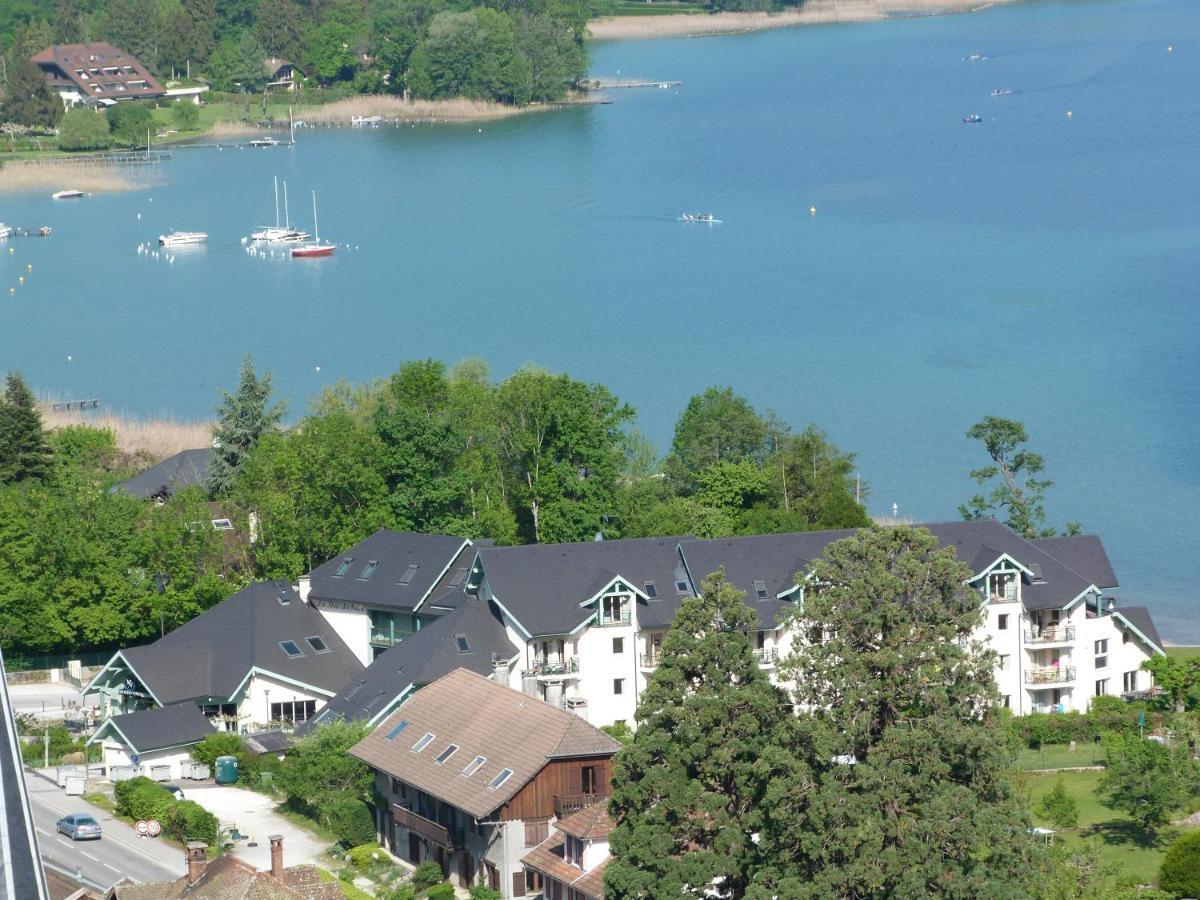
[(1002, 587), (614, 609)]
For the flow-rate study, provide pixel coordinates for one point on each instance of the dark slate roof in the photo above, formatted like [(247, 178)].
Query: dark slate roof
[(392, 583), (1139, 617), (19, 858), (185, 469), (542, 585), (212, 654), (422, 658), (1082, 553), (272, 741), (175, 725), (774, 559)]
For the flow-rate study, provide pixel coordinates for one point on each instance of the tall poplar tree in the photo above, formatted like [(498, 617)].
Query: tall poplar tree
[(24, 452), (244, 417), (910, 796), (687, 791)]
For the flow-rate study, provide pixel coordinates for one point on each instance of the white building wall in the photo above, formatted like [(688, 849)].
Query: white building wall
[(600, 666), (352, 624), (1006, 644), (114, 753), (254, 705)]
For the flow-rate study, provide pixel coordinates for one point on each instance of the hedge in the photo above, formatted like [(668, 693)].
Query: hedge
[(352, 822), (1180, 872)]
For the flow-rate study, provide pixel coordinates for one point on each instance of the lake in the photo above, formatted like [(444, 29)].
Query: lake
[(1040, 265)]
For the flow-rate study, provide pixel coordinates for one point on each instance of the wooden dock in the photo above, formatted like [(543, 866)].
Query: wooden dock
[(75, 404), (605, 84)]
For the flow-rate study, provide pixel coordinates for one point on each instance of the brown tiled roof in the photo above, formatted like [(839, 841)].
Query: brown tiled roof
[(507, 728), (592, 823), (67, 58), (228, 878), (547, 858)]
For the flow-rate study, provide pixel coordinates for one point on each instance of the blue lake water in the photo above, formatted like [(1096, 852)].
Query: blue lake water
[(1037, 265)]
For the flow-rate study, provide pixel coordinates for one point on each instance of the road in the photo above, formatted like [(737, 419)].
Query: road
[(118, 853)]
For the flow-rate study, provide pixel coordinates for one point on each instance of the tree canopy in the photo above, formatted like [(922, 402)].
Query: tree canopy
[(244, 417), (24, 452)]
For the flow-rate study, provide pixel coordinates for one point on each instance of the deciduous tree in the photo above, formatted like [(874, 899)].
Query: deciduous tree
[(717, 426), (1145, 779)]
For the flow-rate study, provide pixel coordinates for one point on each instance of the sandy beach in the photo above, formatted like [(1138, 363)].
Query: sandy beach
[(814, 12)]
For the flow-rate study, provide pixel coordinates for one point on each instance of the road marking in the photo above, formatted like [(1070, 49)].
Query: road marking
[(89, 856), (43, 831), (114, 868), (62, 841)]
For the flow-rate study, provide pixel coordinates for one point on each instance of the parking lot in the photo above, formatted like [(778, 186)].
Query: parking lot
[(254, 815)]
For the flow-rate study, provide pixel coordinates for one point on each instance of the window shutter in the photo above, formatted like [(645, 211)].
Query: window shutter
[(575, 781), (518, 884)]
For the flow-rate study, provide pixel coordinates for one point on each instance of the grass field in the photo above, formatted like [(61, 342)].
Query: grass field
[(1183, 652), (1137, 851), (1059, 756)]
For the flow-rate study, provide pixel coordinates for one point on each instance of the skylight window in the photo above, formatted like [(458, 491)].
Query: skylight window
[(446, 754), (222, 524), (318, 644), (343, 568), (459, 575), (368, 570), (291, 648), (397, 729), (285, 597), (681, 587), (474, 766), (425, 741), (407, 577), (463, 645), (760, 590), (501, 777), (650, 588)]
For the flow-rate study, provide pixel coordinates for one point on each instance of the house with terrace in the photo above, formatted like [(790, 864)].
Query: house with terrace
[(378, 592), (475, 773), (259, 657)]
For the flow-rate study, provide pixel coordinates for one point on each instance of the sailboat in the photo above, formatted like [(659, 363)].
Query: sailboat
[(313, 247), (279, 234)]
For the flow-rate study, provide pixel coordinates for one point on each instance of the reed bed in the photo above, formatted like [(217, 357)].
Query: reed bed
[(92, 176), (397, 109), (232, 129), (156, 438)]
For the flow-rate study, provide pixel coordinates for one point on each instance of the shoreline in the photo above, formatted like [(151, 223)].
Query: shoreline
[(813, 12)]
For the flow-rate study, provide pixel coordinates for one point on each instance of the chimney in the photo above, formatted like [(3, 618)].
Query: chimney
[(196, 854), (276, 855)]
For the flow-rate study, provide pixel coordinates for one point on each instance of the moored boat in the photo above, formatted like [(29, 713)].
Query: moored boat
[(706, 218), (279, 234), (1001, 92), (315, 247), (182, 238), (265, 142), (972, 119), (69, 194)]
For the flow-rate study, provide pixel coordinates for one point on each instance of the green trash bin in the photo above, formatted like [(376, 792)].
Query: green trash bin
[(227, 769)]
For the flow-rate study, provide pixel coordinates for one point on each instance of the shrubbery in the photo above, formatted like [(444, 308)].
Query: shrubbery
[(184, 820), (352, 822), (363, 855), (1108, 715), (443, 891), (1180, 872), (223, 743), (84, 129), (428, 873)]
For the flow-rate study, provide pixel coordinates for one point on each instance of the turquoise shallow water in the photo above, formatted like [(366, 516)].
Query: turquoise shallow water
[(1036, 265)]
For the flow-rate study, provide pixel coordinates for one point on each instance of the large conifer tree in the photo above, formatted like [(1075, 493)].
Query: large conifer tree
[(910, 796), (24, 452), (687, 790), (244, 418)]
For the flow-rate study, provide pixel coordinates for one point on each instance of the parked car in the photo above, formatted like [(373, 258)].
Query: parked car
[(79, 827), (176, 792)]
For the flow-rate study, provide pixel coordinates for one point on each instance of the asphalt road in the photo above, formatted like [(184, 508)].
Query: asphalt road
[(120, 852)]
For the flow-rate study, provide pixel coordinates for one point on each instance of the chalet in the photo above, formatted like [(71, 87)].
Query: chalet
[(475, 773), (570, 863), (96, 73), (259, 657), (281, 74), (380, 590)]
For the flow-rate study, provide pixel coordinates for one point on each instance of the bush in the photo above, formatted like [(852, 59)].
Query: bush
[(442, 891), (363, 855), (1180, 872), (185, 115), (483, 892), (131, 122), (84, 129), (352, 822), (141, 798), (404, 892), (223, 743), (187, 820), (427, 873), (1058, 806)]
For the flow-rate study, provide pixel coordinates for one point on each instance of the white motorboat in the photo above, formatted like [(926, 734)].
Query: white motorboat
[(265, 142), (182, 238), (705, 218), (5, 231), (70, 194)]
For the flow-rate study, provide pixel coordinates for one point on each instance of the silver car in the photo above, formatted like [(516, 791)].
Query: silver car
[(79, 827)]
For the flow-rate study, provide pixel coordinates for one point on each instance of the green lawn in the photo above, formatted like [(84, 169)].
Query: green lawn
[(1138, 851), (1059, 756), (1182, 652)]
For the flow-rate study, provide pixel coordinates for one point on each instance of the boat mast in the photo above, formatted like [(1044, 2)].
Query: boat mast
[(287, 220), (316, 227), (277, 202)]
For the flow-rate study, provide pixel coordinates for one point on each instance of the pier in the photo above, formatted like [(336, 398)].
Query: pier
[(75, 404), (604, 84)]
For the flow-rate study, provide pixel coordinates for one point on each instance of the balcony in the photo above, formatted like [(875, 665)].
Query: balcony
[(426, 828), (386, 636), (768, 658), (1053, 634), (566, 804), (650, 660), (556, 669), (1050, 675)]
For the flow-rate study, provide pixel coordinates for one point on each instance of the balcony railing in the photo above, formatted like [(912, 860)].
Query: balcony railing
[(1050, 675), (1055, 634), (651, 660), (564, 805), (426, 828), (386, 637), (767, 656), (566, 666)]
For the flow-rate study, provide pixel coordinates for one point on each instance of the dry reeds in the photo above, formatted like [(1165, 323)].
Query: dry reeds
[(155, 438), (92, 176), (341, 112), (232, 129)]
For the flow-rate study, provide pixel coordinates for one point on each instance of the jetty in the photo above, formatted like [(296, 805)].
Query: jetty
[(604, 84), (75, 404), (41, 231)]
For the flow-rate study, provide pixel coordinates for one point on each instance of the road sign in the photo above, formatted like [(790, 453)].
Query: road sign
[(155, 828), (143, 827)]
